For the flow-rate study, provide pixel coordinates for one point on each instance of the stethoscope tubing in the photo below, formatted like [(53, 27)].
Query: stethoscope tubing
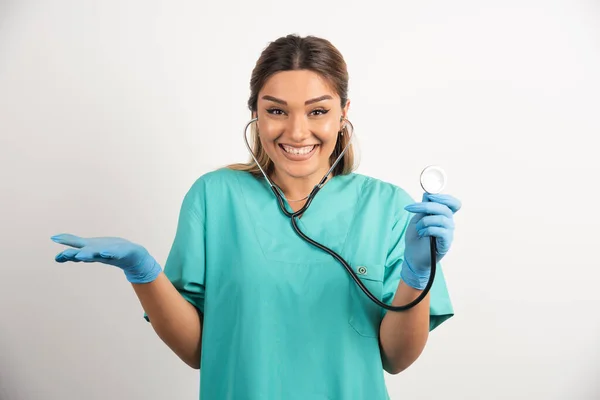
[(297, 214)]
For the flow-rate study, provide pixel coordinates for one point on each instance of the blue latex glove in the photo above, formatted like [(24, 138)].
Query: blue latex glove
[(139, 266), (433, 217)]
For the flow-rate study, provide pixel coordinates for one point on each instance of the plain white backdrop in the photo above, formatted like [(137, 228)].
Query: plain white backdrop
[(109, 110)]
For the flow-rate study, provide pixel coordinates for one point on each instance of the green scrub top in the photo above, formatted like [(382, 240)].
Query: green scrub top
[(282, 318)]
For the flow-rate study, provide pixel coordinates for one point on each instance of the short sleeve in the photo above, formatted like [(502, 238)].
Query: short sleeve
[(440, 304), (185, 265)]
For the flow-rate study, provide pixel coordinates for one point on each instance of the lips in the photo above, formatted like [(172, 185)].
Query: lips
[(296, 153), (298, 150)]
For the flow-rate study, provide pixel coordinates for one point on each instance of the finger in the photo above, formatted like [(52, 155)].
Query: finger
[(450, 201), (443, 237), (435, 220), (434, 231), (108, 255), (67, 255), (117, 251), (430, 208), (89, 254), (69, 240)]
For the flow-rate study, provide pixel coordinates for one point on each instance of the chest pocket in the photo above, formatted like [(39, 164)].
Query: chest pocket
[(364, 314)]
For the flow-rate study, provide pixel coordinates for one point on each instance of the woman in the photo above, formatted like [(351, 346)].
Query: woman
[(262, 313)]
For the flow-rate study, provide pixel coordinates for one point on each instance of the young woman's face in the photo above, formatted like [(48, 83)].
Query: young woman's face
[(299, 117)]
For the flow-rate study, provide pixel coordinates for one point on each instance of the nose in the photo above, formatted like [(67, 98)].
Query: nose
[(297, 128)]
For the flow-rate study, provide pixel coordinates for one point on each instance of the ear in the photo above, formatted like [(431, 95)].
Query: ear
[(345, 109), (255, 115)]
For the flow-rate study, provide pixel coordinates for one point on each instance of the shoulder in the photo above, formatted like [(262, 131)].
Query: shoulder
[(222, 178), (217, 186)]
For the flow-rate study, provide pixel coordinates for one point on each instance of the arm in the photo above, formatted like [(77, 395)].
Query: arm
[(403, 335), (176, 321)]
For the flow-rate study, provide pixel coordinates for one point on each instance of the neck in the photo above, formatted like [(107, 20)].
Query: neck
[(294, 188)]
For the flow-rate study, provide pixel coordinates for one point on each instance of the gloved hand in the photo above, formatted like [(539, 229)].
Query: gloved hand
[(139, 266), (434, 217)]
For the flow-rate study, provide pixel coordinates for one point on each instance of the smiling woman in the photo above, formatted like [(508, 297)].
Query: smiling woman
[(298, 135), (261, 312), (299, 92)]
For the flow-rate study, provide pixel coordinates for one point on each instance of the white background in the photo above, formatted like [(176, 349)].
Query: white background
[(109, 110)]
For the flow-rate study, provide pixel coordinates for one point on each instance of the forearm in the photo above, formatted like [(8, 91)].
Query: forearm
[(177, 322), (403, 335)]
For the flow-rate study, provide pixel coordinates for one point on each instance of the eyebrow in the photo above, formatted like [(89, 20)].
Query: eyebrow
[(307, 102)]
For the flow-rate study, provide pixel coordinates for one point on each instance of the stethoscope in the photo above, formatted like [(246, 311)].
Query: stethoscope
[(432, 179)]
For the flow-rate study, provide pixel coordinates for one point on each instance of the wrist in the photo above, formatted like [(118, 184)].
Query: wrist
[(414, 277), (145, 272)]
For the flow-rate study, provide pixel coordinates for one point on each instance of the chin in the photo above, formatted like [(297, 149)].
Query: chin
[(301, 171)]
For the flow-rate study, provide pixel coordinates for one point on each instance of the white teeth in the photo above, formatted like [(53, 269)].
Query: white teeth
[(298, 150)]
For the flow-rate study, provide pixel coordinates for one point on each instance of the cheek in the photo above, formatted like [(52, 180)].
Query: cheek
[(327, 132), (268, 144), (267, 134), (326, 126), (269, 131)]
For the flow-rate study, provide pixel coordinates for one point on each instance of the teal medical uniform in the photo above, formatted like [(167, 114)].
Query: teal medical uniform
[(283, 319)]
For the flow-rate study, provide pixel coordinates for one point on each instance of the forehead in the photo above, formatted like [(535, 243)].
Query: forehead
[(297, 85)]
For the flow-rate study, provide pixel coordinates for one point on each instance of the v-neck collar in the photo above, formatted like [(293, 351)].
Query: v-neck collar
[(316, 203), (327, 220)]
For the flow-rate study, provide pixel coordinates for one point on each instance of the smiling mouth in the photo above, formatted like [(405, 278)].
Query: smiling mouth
[(303, 153), (298, 151)]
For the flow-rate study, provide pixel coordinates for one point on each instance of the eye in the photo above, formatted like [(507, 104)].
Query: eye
[(319, 111), (275, 111)]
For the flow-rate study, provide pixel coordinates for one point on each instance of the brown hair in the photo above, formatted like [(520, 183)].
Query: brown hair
[(289, 53)]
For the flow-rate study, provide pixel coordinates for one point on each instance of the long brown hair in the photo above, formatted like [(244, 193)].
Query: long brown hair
[(289, 53)]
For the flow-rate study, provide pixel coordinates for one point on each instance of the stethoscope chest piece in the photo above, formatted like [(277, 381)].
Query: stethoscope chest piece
[(433, 179)]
